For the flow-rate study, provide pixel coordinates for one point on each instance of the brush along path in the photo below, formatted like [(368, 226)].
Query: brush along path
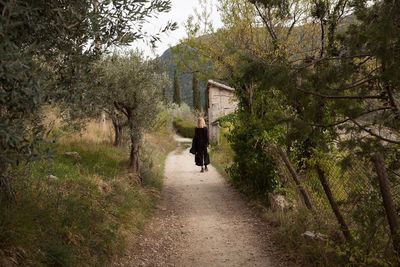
[(202, 221)]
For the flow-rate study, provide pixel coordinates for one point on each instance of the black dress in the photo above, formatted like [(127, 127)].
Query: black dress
[(200, 142)]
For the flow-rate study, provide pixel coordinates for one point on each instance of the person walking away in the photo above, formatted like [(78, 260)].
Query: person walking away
[(200, 143)]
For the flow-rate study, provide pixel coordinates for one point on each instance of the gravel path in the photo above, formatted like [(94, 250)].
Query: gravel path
[(202, 221)]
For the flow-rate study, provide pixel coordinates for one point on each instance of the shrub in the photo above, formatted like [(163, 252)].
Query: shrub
[(184, 128), (222, 155), (182, 112), (252, 169)]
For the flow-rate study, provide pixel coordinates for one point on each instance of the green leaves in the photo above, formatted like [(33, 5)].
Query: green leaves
[(320, 9), (131, 85), (177, 99)]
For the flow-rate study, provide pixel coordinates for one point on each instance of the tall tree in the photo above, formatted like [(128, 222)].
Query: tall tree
[(196, 93), (177, 89)]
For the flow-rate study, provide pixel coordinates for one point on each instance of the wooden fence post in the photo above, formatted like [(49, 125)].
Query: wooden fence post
[(296, 179), (388, 202), (332, 202)]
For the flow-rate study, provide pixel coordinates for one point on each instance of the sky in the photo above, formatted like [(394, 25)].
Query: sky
[(180, 11)]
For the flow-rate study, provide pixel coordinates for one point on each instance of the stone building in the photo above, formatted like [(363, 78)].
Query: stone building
[(221, 101)]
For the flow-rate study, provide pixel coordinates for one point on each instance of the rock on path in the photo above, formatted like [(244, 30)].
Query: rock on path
[(202, 221)]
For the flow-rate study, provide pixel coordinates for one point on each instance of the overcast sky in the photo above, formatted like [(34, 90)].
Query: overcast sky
[(181, 10)]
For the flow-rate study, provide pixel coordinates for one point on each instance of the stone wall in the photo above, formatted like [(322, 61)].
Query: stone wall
[(221, 102)]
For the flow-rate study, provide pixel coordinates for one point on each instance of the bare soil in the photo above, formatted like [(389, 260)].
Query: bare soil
[(203, 221)]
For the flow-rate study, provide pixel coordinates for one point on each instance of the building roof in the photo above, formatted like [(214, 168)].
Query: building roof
[(219, 85)]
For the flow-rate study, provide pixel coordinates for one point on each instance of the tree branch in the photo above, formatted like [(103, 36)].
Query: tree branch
[(332, 58), (341, 97), (270, 30), (349, 119), (321, 54), (355, 84), (375, 134), (120, 107), (291, 26)]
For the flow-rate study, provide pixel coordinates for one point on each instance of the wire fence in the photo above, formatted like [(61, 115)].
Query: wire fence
[(354, 201)]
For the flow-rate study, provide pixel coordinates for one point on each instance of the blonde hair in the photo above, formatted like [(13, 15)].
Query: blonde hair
[(201, 123)]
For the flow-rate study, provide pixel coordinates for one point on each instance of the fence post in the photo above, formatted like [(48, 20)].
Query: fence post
[(332, 202), (296, 179), (388, 202)]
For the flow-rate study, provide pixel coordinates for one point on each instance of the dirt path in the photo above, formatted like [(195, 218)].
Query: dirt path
[(202, 221)]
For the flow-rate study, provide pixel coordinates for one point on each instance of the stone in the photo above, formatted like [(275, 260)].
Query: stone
[(279, 203), (314, 235), (73, 154), (52, 177)]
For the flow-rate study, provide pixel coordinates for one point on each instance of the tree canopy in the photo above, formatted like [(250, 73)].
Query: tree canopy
[(131, 86)]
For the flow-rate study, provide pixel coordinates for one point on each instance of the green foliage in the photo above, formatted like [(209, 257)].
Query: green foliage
[(177, 89), (222, 155), (131, 85), (184, 128), (189, 59), (172, 60), (196, 93), (156, 146), (320, 80), (252, 169)]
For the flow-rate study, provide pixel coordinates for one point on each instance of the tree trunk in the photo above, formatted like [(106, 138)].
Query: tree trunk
[(334, 206), (196, 93), (388, 202), (296, 179), (5, 183), (134, 155), (117, 133)]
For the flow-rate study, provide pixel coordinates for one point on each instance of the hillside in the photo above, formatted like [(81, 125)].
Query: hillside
[(185, 80)]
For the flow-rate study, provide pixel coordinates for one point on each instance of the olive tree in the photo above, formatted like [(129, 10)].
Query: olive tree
[(46, 48), (132, 86)]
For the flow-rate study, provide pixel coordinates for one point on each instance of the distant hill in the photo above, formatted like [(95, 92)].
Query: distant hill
[(185, 80)]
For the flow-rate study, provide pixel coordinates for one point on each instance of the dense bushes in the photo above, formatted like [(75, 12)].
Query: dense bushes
[(252, 169), (184, 128)]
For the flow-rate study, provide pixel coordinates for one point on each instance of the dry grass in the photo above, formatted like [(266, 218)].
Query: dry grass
[(95, 131)]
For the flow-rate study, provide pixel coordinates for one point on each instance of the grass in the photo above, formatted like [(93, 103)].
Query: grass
[(80, 212), (288, 229), (222, 155), (155, 150)]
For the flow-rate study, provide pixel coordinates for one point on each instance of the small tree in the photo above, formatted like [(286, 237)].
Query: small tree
[(133, 87), (177, 89), (196, 93)]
